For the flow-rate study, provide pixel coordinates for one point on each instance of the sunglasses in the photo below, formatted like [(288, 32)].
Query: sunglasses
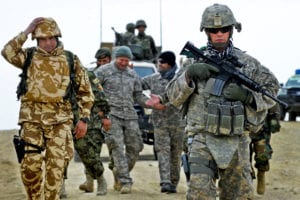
[(161, 61), (216, 30)]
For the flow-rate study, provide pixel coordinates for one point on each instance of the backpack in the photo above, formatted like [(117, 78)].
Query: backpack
[(71, 89)]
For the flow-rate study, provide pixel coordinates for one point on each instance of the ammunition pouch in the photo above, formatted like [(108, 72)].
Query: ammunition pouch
[(226, 118), (20, 144)]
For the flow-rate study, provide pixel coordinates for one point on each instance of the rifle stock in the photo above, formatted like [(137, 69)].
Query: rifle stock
[(227, 71)]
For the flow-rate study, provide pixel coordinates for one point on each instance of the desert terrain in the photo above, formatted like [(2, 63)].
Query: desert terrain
[(282, 181)]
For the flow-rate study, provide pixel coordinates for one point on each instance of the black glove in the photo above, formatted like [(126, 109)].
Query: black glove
[(235, 92), (200, 71)]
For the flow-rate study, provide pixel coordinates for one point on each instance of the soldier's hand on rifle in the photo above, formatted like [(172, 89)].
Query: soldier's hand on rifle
[(80, 129), (200, 71), (234, 92), (31, 27), (106, 124)]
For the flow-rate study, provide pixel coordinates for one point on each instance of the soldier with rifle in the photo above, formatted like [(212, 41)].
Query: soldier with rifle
[(225, 95), (125, 38)]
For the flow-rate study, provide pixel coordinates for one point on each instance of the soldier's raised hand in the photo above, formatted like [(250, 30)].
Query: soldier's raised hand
[(31, 27)]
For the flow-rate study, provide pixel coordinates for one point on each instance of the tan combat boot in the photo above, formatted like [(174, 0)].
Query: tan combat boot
[(260, 182), (102, 186), (117, 184), (88, 185)]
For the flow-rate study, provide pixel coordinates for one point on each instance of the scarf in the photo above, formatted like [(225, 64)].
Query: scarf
[(220, 55), (169, 74)]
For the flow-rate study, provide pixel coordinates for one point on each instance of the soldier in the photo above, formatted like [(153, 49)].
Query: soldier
[(103, 56), (45, 112), (89, 147), (128, 36), (122, 87), (261, 146), (168, 124), (125, 38), (146, 43), (218, 126)]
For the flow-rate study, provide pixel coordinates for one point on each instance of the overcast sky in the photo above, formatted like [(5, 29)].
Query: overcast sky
[(270, 31)]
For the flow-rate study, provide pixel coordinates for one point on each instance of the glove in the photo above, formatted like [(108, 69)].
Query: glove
[(235, 92), (274, 126), (200, 71)]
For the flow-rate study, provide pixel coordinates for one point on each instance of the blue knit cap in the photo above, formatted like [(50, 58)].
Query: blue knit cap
[(123, 51)]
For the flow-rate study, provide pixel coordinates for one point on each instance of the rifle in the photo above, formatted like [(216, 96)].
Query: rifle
[(227, 71), (119, 38)]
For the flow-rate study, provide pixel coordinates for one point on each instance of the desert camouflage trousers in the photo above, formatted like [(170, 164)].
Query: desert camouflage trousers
[(89, 149), (168, 142), (42, 173), (125, 142), (235, 182)]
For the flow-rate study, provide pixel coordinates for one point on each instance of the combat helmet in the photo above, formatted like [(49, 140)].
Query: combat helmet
[(102, 53), (218, 16), (47, 28), (140, 23), (130, 27)]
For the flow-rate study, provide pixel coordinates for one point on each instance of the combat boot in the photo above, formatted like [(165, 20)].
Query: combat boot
[(117, 184), (260, 182), (88, 185), (126, 189), (102, 186)]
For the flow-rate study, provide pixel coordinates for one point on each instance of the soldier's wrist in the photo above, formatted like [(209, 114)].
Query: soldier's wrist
[(85, 119)]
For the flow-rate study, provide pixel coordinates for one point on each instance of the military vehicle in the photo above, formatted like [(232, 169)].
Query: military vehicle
[(290, 94)]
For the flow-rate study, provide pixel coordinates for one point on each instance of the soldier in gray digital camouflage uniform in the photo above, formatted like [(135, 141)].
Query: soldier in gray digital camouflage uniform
[(123, 87), (219, 126), (168, 124)]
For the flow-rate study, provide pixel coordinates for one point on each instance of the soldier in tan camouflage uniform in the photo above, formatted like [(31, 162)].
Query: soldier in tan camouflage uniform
[(122, 87), (168, 124), (218, 125), (45, 115)]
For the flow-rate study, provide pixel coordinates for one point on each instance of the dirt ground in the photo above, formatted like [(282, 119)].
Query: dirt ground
[(282, 182)]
